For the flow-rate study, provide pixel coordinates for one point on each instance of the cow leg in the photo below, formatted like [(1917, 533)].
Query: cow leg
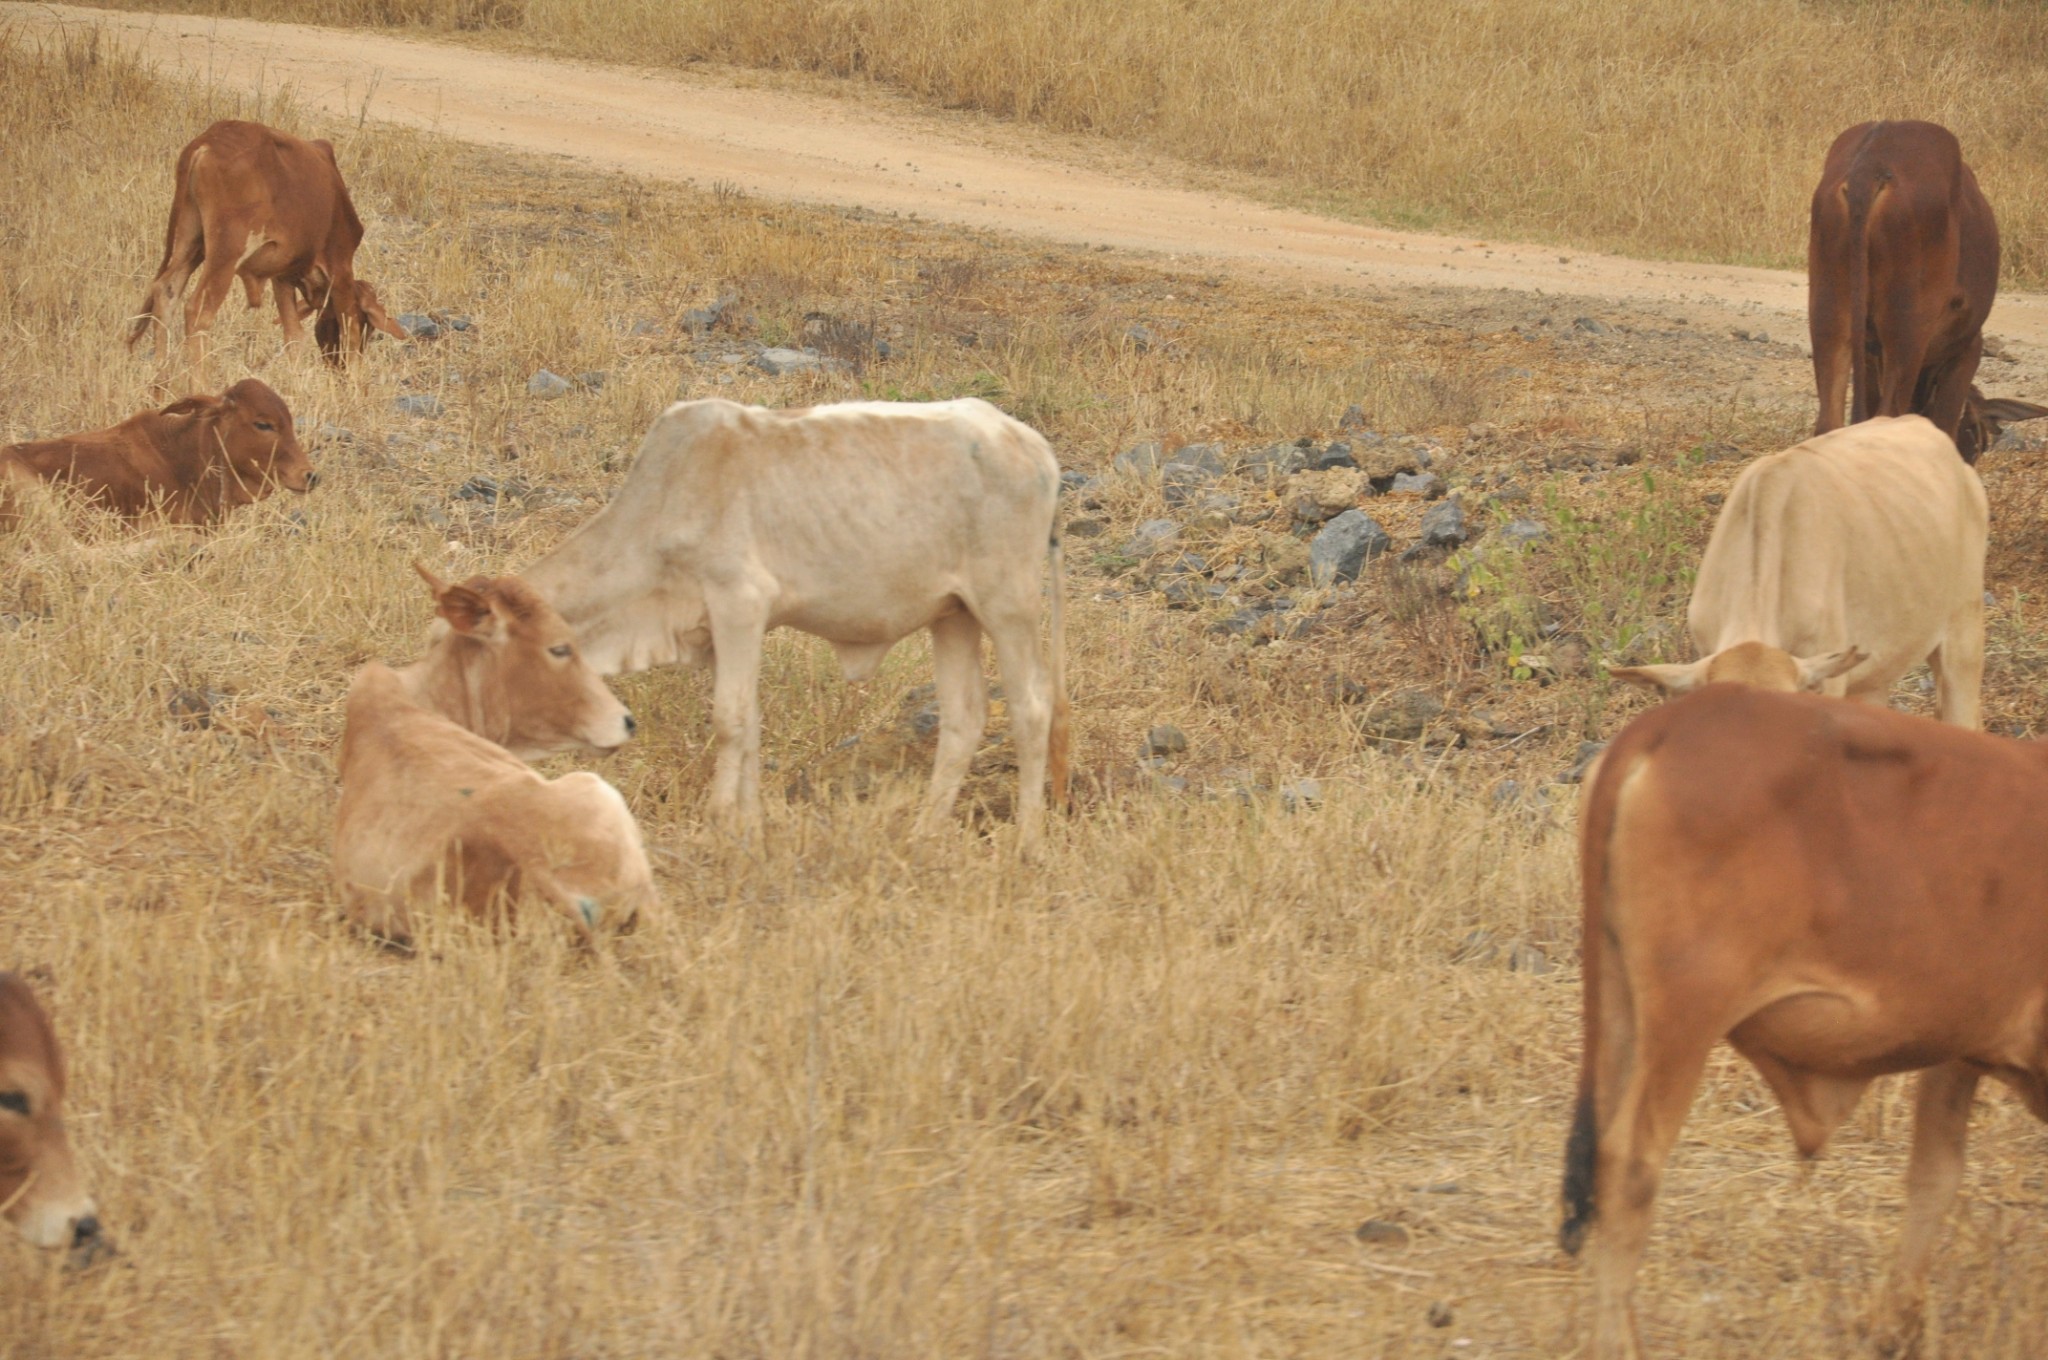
[(1952, 389), (1934, 1172), (1902, 338), (1959, 666), (963, 710), (288, 315), (216, 279), (738, 628), (1014, 630), (1832, 329)]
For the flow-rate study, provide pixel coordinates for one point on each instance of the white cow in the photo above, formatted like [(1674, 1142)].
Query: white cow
[(1853, 557), (858, 523)]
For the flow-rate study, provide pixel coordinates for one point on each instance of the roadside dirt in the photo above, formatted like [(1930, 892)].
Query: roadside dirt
[(814, 141)]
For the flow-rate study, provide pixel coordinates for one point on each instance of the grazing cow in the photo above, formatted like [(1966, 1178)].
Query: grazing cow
[(1902, 267), (44, 1196), (1853, 556), (190, 463), (252, 202), (1839, 891), (435, 795), (858, 523)]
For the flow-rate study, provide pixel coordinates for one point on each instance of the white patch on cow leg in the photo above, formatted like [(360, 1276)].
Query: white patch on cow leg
[(737, 629), (1015, 635), (963, 710)]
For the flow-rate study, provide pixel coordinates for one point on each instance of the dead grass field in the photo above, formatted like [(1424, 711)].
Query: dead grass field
[(1690, 129), (843, 1096)]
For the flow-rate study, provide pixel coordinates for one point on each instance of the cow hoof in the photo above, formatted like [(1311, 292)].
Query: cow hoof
[(1894, 1332)]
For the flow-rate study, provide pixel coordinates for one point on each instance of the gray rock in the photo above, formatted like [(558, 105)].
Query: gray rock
[(453, 322), (193, 708), (1592, 326), (1443, 526), (698, 320), (1182, 482), (783, 362), (593, 379), (419, 325), (1274, 463), (1343, 547), (1523, 531), (1140, 337), (1354, 418), (1524, 957), (1165, 740), (1337, 455), (425, 405), (1589, 751), (1402, 715), (1140, 461), (1072, 480), (1301, 793), (1085, 528), (1440, 1314), (1208, 457), (547, 386), (1151, 536), (1424, 484), (1378, 1232), (491, 490)]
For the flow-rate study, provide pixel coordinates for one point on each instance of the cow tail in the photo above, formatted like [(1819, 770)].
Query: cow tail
[(1059, 737), (1861, 191), (1605, 990), (184, 249)]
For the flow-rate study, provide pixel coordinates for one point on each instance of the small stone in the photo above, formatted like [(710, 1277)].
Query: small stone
[(1523, 531), (193, 708), (547, 386), (1208, 457), (1072, 480), (1165, 740), (1402, 715), (783, 362), (1440, 1314), (1301, 793), (1354, 418), (425, 405), (1274, 463), (1085, 528), (1444, 525), (1337, 455), (1140, 338), (1592, 326), (1182, 482), (419, 326), (1140, 460), (1343, 547), (1524, 957), (1424, 484), (593, 380), (1151, 536), (1589, 751), (491, 490), (452, 321), (1378, 1232)]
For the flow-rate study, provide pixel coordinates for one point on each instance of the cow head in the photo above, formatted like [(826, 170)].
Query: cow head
[(247, 442), (1985, 418), (44, 1196), (1746, 663), (349, 314), (523, 685)]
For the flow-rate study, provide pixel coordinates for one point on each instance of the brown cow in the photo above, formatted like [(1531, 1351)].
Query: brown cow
[(1838, 890), (253, 202), (44, 1196), (1902, 267), (435, 798), (190, 463)]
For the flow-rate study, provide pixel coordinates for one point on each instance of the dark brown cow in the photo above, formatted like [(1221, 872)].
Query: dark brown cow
[(45, 1197), (1901, 270), (1838, 890), (253, 202), (190, 463)]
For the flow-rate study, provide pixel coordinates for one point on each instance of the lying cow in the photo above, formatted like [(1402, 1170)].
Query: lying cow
[(857, 523), (1840, 892), (251, 202), (44, 1196), (1853, 557), (1902, 267), (189, 463), (436, 797)]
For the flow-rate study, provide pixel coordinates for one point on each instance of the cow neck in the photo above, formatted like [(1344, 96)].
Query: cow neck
[(454, 681)]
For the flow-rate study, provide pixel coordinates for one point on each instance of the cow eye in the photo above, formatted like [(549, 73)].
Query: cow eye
[(16, 1101), (265, 425), (560, 649)]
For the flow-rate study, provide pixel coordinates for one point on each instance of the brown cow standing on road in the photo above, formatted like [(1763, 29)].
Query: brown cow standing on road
[(1902, 267), (1839, 891), (255, 203), (45, 1197), (191, 462)]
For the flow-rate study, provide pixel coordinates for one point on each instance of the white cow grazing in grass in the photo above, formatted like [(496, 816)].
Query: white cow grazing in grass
[(1852, 557), (858, 523)]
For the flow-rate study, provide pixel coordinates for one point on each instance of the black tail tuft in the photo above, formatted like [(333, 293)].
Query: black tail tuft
[(1580, 1153)]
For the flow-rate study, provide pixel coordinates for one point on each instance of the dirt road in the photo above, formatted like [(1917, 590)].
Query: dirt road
[(803, 144)]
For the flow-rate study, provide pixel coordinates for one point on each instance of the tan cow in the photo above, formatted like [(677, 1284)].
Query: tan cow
[(436, 798), (43, 1195), (1858, 554), (251, 202), (858, 523), (1838, 890), (189, 463)]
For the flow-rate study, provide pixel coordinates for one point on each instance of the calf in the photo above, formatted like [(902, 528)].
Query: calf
[(251, 202), (1902, 267), (859, 523), (189, 463), (1840, 892), (44, 1196), (1853, 557), (436, 798)]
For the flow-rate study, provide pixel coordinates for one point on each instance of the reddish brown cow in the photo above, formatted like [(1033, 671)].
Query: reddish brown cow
[(1902, 267), (1839, 891), (253, 202), (44, 1196), (190, 463)]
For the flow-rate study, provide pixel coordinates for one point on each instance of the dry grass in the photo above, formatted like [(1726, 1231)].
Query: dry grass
[(844, 1097), (1693, 128)]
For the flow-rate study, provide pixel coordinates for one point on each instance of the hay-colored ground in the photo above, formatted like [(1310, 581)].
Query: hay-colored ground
[(846, 1096)]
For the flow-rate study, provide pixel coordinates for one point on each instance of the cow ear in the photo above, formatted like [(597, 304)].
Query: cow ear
[(375, 315), (2007, 411), (467, 611), (1667, 680), (190, 406), (1815, 671)]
